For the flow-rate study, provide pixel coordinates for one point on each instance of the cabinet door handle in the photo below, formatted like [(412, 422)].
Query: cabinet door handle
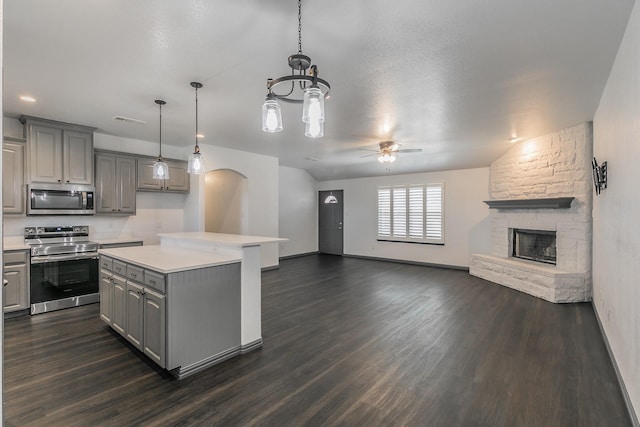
[(60, 180), (166, 188), (153, 282), (68, 181)]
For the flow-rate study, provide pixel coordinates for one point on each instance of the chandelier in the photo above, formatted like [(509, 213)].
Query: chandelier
[(302, 86)]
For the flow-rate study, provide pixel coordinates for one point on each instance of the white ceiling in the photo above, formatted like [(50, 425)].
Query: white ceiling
[(454, 78)]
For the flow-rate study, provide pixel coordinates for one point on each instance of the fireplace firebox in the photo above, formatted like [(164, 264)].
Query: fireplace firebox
[(534, 245)]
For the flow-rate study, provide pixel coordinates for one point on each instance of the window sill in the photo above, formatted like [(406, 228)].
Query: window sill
[(411, 241)]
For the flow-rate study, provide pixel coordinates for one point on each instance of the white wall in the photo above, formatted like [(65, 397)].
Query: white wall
[(616, 211), (466, 226), (298, 221), (262, 175)]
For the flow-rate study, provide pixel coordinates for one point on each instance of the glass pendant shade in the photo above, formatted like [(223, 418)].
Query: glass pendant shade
[(313, 105), (271, 115), (196, 163), (160, 169), (314, 129)]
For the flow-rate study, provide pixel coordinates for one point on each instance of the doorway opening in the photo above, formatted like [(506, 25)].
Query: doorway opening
[(226, 202)]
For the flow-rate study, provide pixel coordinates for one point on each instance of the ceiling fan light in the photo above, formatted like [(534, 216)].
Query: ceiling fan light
[(313, 105), (271, 115), (314, 129)]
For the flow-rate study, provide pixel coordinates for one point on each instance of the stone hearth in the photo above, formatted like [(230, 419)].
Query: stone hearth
[(553, 166)]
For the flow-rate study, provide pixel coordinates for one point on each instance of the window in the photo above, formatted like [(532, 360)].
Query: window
[(411, 213)]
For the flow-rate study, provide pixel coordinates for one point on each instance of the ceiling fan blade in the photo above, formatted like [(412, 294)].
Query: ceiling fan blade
[(367, 149), (410, 150), (369, 155)]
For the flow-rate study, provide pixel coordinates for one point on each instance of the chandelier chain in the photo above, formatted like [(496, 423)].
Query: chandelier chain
[(299, 26)]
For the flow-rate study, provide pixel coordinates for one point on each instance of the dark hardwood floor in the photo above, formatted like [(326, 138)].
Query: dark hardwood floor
[(347, 342)]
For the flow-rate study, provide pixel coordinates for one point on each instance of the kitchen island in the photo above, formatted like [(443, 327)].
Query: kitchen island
[(179, 307), (248, 249), (189, 303)]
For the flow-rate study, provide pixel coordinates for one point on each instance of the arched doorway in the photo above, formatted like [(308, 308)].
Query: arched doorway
[(226, 202)]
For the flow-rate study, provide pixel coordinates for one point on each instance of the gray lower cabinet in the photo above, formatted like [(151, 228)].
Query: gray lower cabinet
[(119, 304), (16, 272), (135, 314), (115, 184), (178, 181), (13, 189), (133, 308), (184, 321)]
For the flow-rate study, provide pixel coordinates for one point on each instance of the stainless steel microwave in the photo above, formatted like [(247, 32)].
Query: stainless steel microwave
[(60, 199)]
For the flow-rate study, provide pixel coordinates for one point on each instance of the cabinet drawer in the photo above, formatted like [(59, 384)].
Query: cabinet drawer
[(135, 273), (154, 280), (119, 267), (106, 263), (18, 257)]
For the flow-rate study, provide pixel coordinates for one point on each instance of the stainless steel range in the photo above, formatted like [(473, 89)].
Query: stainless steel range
[(64, 267)]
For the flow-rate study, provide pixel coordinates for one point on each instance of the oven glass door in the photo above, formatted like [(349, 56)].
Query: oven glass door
[(62, 279)]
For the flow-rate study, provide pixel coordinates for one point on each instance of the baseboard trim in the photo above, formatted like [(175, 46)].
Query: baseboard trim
[(402, 261), (282, 258), (251, 346), (625, 394)]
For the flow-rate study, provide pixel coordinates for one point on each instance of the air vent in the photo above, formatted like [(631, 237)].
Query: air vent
[(129, 120)]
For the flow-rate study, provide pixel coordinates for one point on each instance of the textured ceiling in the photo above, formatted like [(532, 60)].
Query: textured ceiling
[(455, 79)]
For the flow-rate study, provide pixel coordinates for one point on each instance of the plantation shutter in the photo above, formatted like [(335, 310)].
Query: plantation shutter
[(384, 212), (433, 217), (399, 211)]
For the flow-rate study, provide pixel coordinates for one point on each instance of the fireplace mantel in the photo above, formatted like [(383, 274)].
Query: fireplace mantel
[(548, 203)]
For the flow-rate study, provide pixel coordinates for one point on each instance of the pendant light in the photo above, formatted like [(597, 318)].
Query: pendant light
[(303, 86), (160, 167), (196, 161)]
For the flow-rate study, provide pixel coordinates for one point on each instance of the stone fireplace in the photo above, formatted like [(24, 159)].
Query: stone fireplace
[(545, 185)]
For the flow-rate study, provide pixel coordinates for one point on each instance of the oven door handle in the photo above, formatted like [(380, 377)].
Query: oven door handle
[(64, 257)]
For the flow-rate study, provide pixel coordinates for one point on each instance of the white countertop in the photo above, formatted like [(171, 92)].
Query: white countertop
[(168, 260), (237, 240), (14, 243)]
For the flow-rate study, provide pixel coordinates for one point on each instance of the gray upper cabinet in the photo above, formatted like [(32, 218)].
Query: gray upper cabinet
[(13, 189), (178, 181), (58, 152), (115, 184), (77, 151)]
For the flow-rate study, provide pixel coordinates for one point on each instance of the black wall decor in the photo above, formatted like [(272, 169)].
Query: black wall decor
[(599, 175)]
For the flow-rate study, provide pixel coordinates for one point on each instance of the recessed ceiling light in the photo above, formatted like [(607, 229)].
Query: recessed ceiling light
[(514, 140), (27, 98), (199, 135)]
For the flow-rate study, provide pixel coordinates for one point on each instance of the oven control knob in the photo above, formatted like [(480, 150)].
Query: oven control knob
[(29, 230)]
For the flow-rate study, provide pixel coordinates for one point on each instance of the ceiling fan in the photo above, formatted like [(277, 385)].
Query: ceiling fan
[(387, 151)]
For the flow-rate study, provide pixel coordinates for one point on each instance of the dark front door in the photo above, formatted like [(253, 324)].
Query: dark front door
[(330, 217)]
